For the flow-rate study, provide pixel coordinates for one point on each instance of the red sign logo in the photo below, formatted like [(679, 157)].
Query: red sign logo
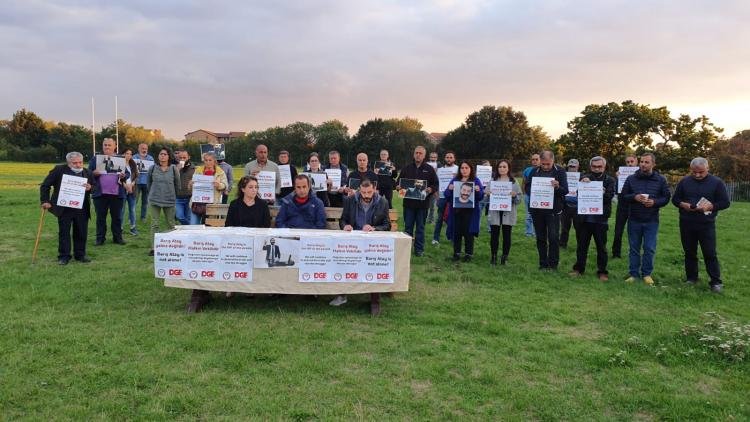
[(384, 276), (545, 203), (208, 274), (319, 276), (175, 271), (352, 276), (240, 274)]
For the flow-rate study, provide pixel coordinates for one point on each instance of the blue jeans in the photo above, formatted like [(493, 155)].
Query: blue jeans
[(196, 219), (642, 234), (529, 221), (182, 211), (129, 203), (143, 192), (416, 216), (439, 220)]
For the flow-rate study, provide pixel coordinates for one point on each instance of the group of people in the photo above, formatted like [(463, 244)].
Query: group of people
[(365, 196)]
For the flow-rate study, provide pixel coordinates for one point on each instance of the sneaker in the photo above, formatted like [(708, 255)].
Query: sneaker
[(631, 279), (151, 252), (574, 273), (133, 231), (648, 280), (603, 277), (419, 253), (691, 282), (435, 242), (338, 300), (716, 288)]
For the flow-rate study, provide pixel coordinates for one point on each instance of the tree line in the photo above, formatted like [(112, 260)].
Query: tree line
[(611, 130)]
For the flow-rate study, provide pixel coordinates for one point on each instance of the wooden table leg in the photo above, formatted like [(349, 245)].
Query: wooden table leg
[(374, 304)]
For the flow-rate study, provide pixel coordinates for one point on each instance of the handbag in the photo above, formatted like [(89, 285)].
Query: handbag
[(198, 208)]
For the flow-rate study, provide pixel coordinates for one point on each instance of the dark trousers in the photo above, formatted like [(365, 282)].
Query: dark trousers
[(414, 219), (692, 235), (584, 233), (80, 226), (143, 192), (388, 194), (495, 239), (108, 204), (621, 219), (547, 228), (567, 218), (461, 224), (335, 200)]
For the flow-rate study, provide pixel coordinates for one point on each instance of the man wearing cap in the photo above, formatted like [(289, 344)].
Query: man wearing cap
[(568, 216)]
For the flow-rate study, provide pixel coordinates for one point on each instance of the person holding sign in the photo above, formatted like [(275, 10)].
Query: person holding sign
[(502, 216), (699, 197), (144, 160), (108, 194), (248, 210), (445, 174), (262, 163), (70, 204), (163, 184), (362, 172), (623, 206), (287, 185), (130, 190), (336, 195), (300, 210), (386, 171), (463, 219), (547, 197), (209, 168), (568, 216), (415, 210), (647, 191), (314, 165), (592, 221)]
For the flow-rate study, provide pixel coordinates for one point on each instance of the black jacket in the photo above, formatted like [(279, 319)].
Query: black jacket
[(609, 184), (378, 213), (53, 180), (558, 173), (422, 172), (655, 185), (691, 190)]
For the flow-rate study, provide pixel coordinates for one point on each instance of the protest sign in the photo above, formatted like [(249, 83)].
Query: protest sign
[(267, 185), (500, 195), (203, 189), (591, 198), (285, 174), (622, 174), (542, 193), (72, 191)]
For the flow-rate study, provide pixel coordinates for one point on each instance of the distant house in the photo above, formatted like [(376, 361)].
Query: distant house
[(208, 137), (435, 138)]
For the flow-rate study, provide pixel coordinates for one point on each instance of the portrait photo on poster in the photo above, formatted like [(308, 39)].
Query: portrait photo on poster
[(413, 189), (463, 194), (217, 149), (110, 163), (276, 252)]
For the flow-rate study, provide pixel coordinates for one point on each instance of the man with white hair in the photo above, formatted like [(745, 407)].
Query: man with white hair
[(700, 196), (68, 217)]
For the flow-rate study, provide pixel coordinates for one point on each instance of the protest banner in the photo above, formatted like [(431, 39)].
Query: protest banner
[(591, 198), (542, 193), (203, 189), (285, 175), (573, 177), (267, 185), (484, 174), (500, 195), (622, 174), (72, 191), (335, 176)]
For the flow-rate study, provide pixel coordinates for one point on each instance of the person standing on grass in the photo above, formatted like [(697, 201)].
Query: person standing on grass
[(163, 184), (230, 179), (415, 210), (449, 161), (646, 190), (433, 161), (503, 220), (699, 197), (367, 211), (335, 197), (131, 190), (463, 223), (547, 221), (209, 168), (595, 226), (142, 188), (568, 216), (362, 172), (386, 177), (301, 210), (621, 216), (68, 218), (108, 203), (284, 159), (526, 174), (184, 192), (262, 163)]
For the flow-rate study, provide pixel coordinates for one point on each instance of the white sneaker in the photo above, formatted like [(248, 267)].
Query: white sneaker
[(338, 300), (435, 242)]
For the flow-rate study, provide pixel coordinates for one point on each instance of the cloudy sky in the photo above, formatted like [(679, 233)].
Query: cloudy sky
[(237, 65)]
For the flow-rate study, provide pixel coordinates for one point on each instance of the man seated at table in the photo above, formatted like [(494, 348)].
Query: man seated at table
[(367, 211), (300, 210)]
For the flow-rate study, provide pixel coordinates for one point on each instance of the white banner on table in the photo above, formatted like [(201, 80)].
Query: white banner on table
[(225, 257), (335, 176), (622, 174), (573, 178), (500, 195), (267, 185), (484, 174), (276, 251), (346, 260), (591, 198), (542, 193), (72, 191), (445, 175), (203, 189), (285, 176)]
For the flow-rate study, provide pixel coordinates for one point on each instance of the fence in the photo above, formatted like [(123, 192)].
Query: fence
[(739, 191)]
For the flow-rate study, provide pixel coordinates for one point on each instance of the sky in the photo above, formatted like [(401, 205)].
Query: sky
[(248, 65)]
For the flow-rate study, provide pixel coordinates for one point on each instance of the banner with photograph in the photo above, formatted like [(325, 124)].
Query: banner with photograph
[(413, 189), (542, 193), (143, 166), (267, 185), (383, 168), (463, 194), (591, 198), (318, 180), (217, 149), (215, 257), (500, 195), (72, 191), (335, 176), (110, 163), (350, 260), (276, 252)]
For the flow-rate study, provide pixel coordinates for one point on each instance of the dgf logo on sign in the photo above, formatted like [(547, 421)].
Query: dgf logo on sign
[(352, 276), (208, 274), (545, 203), (320, 276), (175, 272), (240, 274)]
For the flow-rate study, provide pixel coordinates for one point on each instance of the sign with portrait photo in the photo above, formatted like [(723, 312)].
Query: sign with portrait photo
[(413, 189), (463, 194)]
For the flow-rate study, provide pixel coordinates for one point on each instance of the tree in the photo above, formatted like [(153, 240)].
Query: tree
[(398, 136), (26, 129), (65, 138), (332, 135), (495, 132), (685, 139), (732, 157)]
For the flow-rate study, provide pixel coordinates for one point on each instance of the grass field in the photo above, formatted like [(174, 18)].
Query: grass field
[(107, 341)]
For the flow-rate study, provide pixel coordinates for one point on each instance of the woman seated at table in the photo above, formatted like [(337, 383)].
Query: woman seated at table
[(248, 210)]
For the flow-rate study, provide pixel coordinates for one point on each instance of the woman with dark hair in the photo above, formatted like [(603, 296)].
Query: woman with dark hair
[(463, 222), (163, 183), (248, 210), (503, 219), (130, 183), (314, 166)]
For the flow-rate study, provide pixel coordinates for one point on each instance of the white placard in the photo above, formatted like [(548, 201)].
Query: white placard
[(346, 260), (267, 185), (203, 189), (622, 174), (445, 175), (72, 191), (542, 193), (573, 178), (110, 163), (225, 257), (285, 176), (463, 194), (318, 180), (276, 251), (484, 174), (335, 176), (433, 164), (143, 165), (591, 198), (500, 195)]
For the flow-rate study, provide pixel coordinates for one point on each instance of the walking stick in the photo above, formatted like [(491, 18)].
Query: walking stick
[(38, 235)]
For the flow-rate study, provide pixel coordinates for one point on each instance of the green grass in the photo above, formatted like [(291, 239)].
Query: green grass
[(108, 341)]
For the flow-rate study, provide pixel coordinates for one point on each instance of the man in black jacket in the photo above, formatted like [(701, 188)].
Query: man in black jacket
[(621, 216), (68, 217), (415, 210), (700, 196), (594, 225), (547, 221)]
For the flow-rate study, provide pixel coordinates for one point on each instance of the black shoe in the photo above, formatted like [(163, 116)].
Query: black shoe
[(418, 254), (716, 288), (119, 241), (456, 257), (493, 260), (467, 258), (503, 259), (691, 282), (99, 242), (151, 252), (84, 259), (616, 255), (63, 261)]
